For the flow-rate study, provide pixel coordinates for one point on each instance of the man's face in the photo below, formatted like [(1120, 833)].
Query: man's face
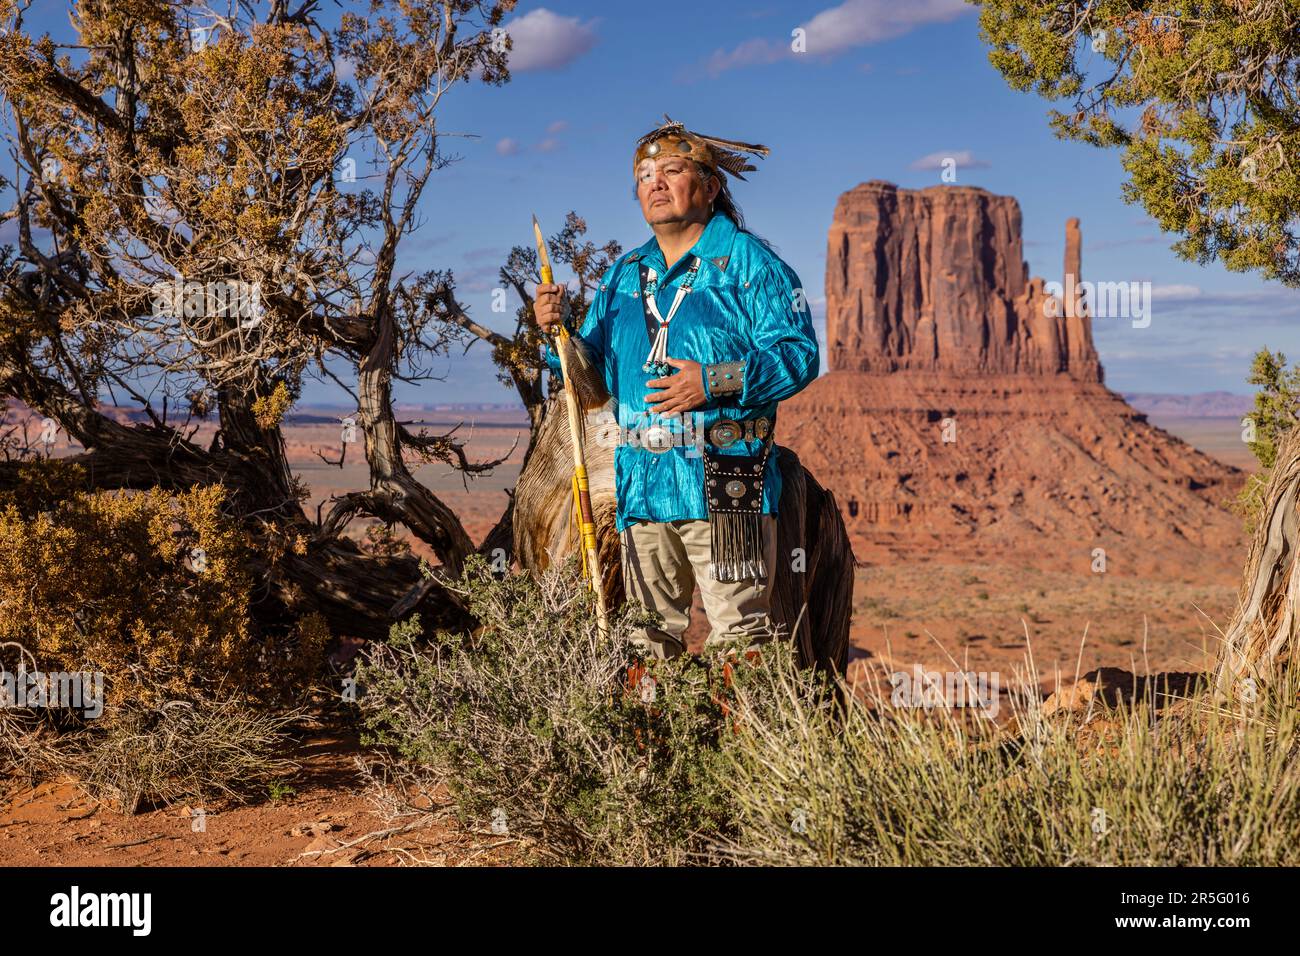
[(670, 190)]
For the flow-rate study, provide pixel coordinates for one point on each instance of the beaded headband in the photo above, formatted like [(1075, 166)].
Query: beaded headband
[(674, 139)]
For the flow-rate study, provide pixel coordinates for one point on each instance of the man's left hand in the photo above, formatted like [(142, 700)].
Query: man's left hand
[(680, 392)]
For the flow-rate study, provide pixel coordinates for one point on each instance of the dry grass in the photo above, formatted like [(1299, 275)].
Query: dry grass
[(210, 750), (1191, 784)]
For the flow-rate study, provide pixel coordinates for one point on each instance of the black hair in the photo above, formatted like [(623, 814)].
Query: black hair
[(726, 204)]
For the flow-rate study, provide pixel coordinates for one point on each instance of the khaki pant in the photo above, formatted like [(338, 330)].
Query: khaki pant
[(663, 562)]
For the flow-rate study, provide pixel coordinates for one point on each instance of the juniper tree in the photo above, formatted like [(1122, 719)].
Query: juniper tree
[(1202, 99), (176, 149)]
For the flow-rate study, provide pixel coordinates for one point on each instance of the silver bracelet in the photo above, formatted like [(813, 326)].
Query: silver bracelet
[(726, 378)]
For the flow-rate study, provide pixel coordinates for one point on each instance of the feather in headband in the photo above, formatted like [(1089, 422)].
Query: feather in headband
[(713, 151)]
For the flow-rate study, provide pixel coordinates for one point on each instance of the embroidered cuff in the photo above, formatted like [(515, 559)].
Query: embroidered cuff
[(725, 378)]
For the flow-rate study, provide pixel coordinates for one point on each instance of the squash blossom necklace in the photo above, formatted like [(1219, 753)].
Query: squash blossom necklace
[(657, 361)]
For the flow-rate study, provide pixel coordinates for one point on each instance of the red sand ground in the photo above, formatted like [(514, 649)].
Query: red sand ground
[(327, 821), (905, 613)]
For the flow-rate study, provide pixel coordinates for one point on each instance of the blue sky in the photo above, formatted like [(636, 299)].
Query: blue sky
[(882, 86)]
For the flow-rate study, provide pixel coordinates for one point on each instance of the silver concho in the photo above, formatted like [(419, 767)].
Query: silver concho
[(656, 439), (724, 433), (735, 488)]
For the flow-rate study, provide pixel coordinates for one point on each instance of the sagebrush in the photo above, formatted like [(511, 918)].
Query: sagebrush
[(557, 734)]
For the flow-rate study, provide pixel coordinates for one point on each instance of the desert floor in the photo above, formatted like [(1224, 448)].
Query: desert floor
[(985, 616)]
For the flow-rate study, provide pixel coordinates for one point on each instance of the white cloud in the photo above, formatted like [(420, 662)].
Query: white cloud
[(1175, 293), (860, 22), (1224, 316), (490, 254), (542, 40), (851, 24), (750, 53), (507, 146), (552, 141), (964, 159)]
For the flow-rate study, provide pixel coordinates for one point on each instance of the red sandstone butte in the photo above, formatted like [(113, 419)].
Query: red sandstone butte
[(964, 415)]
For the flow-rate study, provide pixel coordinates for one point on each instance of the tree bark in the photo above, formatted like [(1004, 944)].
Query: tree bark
[(356, 592), (1259, 643)]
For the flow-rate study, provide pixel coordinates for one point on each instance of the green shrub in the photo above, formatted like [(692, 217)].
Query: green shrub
[(1272, 417), (539, 723)]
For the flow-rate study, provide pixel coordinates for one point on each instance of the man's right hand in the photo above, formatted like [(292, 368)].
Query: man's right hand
[(548, 306)]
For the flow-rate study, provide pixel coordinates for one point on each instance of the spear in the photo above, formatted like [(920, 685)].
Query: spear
[(581, 489)]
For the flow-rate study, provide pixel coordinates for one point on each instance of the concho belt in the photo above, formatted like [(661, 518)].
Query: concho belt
[(725, 432)]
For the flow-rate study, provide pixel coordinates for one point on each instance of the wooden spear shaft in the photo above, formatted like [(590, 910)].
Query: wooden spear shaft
[(586, 518)]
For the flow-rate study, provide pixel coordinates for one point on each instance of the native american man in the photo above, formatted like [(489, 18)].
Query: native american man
[(699, 333)]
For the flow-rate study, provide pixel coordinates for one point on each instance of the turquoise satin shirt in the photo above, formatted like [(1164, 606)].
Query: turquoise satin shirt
[(746, 306)]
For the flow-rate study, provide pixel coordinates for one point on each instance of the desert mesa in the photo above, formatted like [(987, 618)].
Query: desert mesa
[(964, 415)]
